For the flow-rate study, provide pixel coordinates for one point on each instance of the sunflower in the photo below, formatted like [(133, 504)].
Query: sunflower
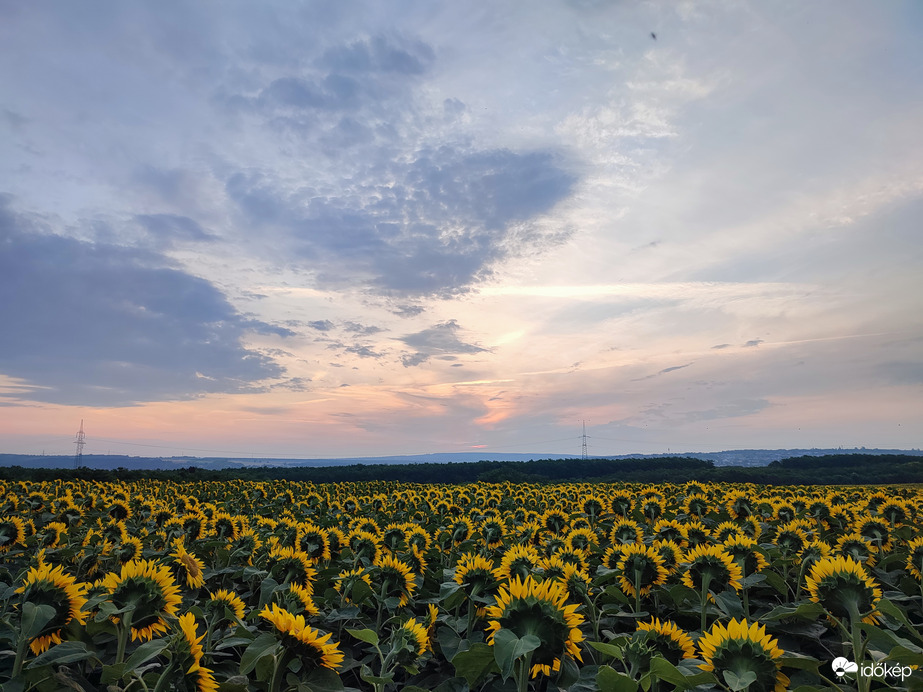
[(477, 574), (302, 640), (895, 511), (53, 532), (418, 538), (726, 530), (739, 505), (397, 579), (336, 539), (461, 530), (668, 530), (151, 589), (364, 545), (492, 532), (696, 505), (222, 599), (746, 554), (394, 537), (856, 546), (625, 531), (576, 580), (288, 565), (740, 648), (412, 637), (844, 588), (299, 600), (877, 531), (347, 580), (186, 566), (540, 609), (519, 561), (12, 532), (581, 539), (198, 677), (814, 551), (621, 502), (790, 540), (611, 557), (593, 507), (711, 565), (640, 569), (915, 558), (554, 521), (695, 533), (50, 586), (671, 553), (668, 640), (314, 542)]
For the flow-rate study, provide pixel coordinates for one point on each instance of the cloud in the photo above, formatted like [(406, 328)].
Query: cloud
[(438, 340), (753, 343), (101, 325), (365, 330), (431, 226), (169, 228), (321, 325)]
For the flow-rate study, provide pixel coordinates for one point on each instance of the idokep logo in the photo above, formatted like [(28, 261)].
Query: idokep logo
[(842, 666)]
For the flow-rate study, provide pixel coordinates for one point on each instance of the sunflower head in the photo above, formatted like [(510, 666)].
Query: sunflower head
[(395, 579), (746, 554), (151, 589), (844, 588), (711, 566), (540, 609), (668, 640), (12, 532), (742, 648), (223, 600), (50, 586), (410, 640), (640, 569), (519, 561), (305, 642), (190, 650), (914, 562)]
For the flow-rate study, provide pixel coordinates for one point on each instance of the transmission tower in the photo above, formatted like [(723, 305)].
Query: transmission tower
[(584, 452), (80, 441)]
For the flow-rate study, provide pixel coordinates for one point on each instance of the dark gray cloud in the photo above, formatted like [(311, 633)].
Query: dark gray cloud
[(363, 329), (167, 229), (439, 340), (97, 324), (753, 343), (321, 325), (437, 226)]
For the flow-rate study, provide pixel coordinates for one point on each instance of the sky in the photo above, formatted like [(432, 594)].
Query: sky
[(317, 229)]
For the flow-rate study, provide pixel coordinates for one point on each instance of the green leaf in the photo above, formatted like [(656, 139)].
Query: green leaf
[(739, 682), (806, 611), (662, 669), (323, 680), (888, 608), (450, 643), (65, 652), (729, 604), (776, 582), (145, 653), (475, 663), (608, 649), (112, 673), (610, 680), (368, 636), (902, 654), (366, 674), (508, 648), (34, 619), (792, 660), (264, 645)]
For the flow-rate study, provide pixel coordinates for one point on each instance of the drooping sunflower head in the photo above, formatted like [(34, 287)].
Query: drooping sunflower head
[(314, 542), (51, 586), (856, 546), (711, 566), (540, 609), (364, 545), (151, 589), (306, 643), (576, 580), (673, 643), (518, 561), (877, 531), (461, 529), (492, 532), (895, 511), (695, 533), (224, 599), (844, 588), (411, 639), (670, 552), (299, 600), (290, 565), (12, 532), (347, 580), (581, 539), (814, 551), (746, 554), (186, 566), (52, 534), (395, 579), (640, 569), (790, 540), (742, 647), (914, 562), (554, 521), (669, 530), (476, 574), (625, 531)]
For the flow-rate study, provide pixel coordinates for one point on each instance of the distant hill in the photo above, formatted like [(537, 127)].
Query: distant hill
[(111, 462)]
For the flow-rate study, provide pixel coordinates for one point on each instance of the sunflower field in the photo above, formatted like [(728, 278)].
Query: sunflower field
[(382, 586)]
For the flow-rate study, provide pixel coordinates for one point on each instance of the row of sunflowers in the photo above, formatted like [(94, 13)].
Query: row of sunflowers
[(245, 586)]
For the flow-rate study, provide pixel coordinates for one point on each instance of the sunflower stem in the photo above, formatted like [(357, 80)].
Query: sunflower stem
[(706, 582), (637, 590), (20, 656), (124, 631), (164, 680), (278, 671)]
